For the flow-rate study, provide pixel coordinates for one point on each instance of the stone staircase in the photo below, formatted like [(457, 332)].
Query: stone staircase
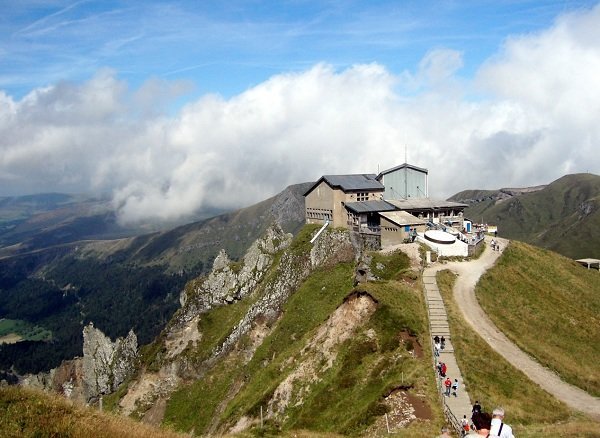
[(454, 407)]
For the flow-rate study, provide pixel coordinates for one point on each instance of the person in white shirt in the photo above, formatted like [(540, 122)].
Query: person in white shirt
[(500, 428)]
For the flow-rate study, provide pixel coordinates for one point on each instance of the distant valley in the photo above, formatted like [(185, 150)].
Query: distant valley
[(53, 279)]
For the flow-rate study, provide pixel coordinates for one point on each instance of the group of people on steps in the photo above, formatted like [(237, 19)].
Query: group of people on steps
[(483, 424)]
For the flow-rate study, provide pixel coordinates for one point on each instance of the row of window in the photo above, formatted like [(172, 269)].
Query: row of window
[(319, 213)]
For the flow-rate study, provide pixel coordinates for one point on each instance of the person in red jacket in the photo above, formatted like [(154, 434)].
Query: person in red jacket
[(448, 385)]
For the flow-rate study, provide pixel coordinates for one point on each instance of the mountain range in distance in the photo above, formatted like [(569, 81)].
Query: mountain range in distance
[(118, 284), (61, 266), (563, 216)]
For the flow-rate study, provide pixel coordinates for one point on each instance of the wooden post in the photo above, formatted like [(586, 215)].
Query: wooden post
[(261, 418), (387, 423)]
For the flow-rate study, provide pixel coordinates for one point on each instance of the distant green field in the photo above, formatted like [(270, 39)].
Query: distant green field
[(23, 329)]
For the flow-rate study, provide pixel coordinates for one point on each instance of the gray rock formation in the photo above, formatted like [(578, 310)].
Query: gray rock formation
[(331, 247), (229, 282), (106, 364)]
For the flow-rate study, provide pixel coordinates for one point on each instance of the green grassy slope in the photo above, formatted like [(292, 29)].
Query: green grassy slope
[(28, 413), (347, 397), (564, 216), (489, 378), (550, 307)]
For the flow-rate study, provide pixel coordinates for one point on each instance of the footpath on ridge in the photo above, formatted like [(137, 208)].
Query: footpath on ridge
[(459, 404), (464, 293)]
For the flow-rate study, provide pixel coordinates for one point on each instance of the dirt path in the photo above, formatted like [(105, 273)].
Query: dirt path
[(464, 293)]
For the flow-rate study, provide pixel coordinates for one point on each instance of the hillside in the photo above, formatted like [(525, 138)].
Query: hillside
[(563, 216), (35, 222), (121, 284), (550, 307), (27, 413), (297, 340), (303, 340)]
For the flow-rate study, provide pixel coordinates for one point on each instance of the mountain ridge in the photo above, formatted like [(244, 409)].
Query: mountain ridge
[(563, 216), (122, 284)]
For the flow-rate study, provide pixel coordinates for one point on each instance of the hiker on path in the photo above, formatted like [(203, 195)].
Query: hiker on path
[(499, 428), (436, 339), (439, 368), (437, 349), (448, 385), (493, 244), (465, 423), (455, 388), (444, 369), (476, 409), (443, 342)]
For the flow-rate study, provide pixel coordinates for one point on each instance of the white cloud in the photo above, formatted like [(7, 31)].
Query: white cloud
[(539, 120)]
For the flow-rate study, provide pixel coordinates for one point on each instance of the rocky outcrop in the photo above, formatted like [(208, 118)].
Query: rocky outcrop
[(332, 246), (587, 207), (106, 364), (66, 380), (229, 282)]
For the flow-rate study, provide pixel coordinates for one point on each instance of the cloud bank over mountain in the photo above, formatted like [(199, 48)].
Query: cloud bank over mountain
[(529, 116)]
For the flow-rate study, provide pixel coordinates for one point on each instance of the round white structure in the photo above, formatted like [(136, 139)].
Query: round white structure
[(440, 237)]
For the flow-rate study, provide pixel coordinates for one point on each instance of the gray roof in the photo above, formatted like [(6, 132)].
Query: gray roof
[(350, 183), (424, 204), (402, 218), (402, 166), (369, 206)]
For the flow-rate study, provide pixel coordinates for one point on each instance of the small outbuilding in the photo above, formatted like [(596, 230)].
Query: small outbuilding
[(399, 226)]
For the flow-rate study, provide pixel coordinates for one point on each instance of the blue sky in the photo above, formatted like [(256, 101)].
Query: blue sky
[(227, 47), (175, 106)]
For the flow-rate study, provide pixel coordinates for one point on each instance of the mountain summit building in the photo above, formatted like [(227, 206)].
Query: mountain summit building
[(389, 208), (404, 181)]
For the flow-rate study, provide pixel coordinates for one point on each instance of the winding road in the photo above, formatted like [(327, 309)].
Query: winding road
[(464, 293)]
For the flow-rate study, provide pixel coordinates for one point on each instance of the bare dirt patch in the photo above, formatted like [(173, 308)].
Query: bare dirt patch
[(177, 341), (404, 407), (156, 413), (407, 339), (320, 352)]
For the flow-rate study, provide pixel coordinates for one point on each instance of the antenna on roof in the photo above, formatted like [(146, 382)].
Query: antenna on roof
[(405, 153)]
